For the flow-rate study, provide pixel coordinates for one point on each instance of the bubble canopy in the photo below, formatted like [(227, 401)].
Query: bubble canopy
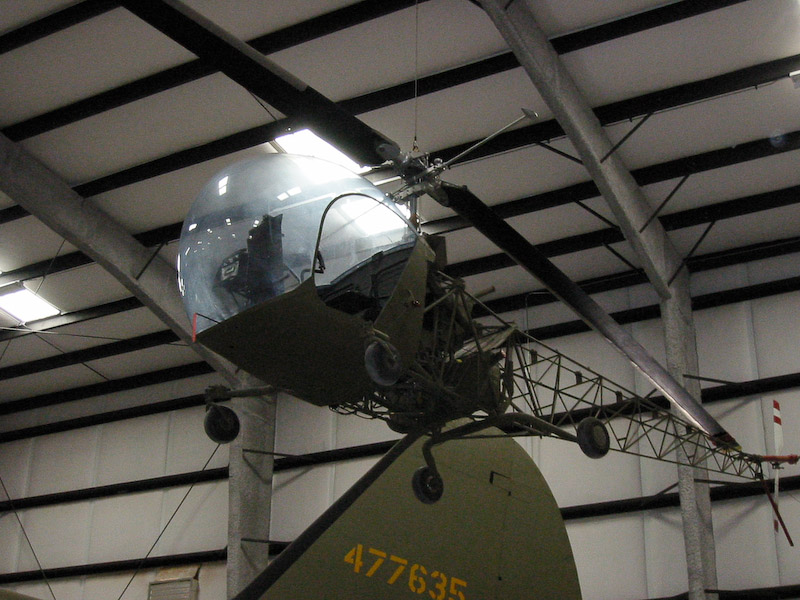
[(263, 226)]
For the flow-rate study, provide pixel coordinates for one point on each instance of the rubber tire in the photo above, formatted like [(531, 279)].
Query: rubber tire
[(221, 424), (593, 437), (428, 487), (382, 362)]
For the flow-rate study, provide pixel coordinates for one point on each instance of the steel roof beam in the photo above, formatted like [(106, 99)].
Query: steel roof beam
[(594, 239), (53, 23), (518, 26), (654, 249), (257, 74), (43, 194), (610, 113), (338, 20)]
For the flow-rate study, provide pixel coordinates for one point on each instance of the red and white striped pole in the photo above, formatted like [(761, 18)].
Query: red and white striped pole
[(778, 436)]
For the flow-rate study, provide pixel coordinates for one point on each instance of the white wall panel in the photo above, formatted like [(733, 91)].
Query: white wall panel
[(11, 536), (706, 282), (609, 554), (63, 461), (788, 555), (302, 427), (201, 523), (657, 475), (111, 586), (132, 449), (592, 350), (63, 589), (745, 544), (724, 343), (743, 418), (666, 560), (15, 460), (347, 473), (59, 535), (577, 479), (353, 431), (124, 527), (189, 447), (776, 323), (778, 267), (298, 497), (213, 582)]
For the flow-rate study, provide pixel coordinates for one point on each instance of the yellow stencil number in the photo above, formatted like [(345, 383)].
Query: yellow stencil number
[(420, 580)]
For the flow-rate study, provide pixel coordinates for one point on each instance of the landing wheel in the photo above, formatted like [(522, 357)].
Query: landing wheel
[(593, 437), (382, 361), (221, 424), (427, 485)]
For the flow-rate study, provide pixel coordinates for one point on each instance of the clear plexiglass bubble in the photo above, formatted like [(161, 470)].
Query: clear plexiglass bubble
[(263, 226)]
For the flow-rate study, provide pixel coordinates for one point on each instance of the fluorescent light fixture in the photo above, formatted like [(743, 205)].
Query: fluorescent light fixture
[(795, 77), (24, 305), (372, 217), (305, 142)]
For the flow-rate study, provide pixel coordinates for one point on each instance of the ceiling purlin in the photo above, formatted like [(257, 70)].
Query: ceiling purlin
[(582, 191), (55, 22), (275, 41), (338, 20), (500, 305), (146, 276), (611, 113)]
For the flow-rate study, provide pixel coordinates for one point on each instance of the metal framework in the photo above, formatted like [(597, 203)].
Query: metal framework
[(527, 378)]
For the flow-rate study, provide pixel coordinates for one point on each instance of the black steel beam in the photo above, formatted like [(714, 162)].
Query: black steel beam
[(582, 191), (71, 318), (719, 493), (250, 69), (674, 169), (644, 313), (338, 20), (12, 213), (111, 416), (106, 387), (53, 23), (625, 279), (153, 562), (316, 27), (611, 235), (115, 489), (89, 354)]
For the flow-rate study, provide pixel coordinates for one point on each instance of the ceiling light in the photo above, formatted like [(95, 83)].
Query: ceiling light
[(305, 142), (24, 305), (795, 77)]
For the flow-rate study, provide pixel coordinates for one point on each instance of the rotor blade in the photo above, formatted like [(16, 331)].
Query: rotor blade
[(257, 74), (485, 220)]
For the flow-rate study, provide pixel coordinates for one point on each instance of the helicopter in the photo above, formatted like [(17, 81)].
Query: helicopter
[(311, 278), (298, 290)]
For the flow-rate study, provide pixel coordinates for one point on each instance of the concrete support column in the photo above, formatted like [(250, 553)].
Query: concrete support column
[(250, 488), (698, 531), (516, 22)]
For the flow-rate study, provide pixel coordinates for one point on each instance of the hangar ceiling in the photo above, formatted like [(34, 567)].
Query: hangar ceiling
[(136, 124)]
